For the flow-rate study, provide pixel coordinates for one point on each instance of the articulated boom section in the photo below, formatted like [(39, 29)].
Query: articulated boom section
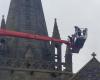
[(4, 32)]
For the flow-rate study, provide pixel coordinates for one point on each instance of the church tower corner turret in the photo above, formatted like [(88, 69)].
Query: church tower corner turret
[(56, 47), (68, 60), (3, 23)]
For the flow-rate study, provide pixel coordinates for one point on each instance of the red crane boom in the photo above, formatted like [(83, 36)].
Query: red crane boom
[(75, 44), (4, 32)]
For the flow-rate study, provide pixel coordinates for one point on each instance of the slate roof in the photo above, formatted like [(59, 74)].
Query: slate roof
[(91, 71)]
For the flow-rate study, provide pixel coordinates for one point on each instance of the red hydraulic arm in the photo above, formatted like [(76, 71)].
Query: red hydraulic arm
[(5, 32)]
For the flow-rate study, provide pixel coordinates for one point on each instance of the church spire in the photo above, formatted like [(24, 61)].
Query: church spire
[(55, 30), (56, 48), (27, 16), (3, 24)]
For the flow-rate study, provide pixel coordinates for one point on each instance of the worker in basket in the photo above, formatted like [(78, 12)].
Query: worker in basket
[(78, 39)]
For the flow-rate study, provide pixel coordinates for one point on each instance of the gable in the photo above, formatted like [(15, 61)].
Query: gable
[(91, 71)]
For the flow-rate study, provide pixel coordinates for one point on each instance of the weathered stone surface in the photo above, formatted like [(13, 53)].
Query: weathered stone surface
[(27, 16), (23, 59)]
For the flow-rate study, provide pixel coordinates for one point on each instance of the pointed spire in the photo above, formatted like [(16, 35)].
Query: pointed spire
[(27, 16), (56, 48), (55, 30), (3, 24)]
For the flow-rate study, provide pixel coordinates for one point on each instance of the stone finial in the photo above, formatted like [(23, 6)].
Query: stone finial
[(3, 24), (3, 16), (55, 20), (56, 33), (93, 54)]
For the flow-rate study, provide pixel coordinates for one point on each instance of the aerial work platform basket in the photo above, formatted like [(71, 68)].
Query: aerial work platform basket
[(78, 39)]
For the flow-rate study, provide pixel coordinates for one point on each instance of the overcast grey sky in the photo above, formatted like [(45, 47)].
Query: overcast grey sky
[(83, 13)]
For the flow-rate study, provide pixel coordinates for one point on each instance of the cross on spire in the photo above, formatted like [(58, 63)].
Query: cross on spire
[(93, 54)]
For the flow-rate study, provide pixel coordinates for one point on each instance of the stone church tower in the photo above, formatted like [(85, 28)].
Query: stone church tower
[(27, 16), (24, 59)]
